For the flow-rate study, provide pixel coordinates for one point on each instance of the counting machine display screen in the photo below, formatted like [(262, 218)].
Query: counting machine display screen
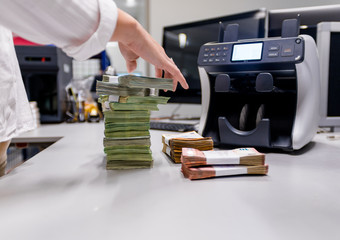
[(248, 51)]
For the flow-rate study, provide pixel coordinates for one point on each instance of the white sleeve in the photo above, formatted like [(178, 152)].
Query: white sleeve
[(80, 27)]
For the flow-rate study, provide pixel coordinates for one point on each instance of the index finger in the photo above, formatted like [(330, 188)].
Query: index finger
[(176, 75)]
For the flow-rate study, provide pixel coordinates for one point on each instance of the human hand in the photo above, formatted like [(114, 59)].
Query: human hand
[(129, 56), (134, 42)]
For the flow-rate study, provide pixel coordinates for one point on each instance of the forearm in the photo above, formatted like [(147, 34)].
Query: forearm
[(126, 28)]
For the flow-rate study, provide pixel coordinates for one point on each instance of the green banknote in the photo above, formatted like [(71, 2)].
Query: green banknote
[(121, 165), (127, 114), (127, 151), (126, 126), (129, 157), (121, 134), (142, 100), (106, 88), (133, 106), (126, 141), (145, 148), (115, 120), (133, 81)]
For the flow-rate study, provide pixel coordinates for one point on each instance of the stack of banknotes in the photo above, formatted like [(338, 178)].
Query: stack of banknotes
[(198, 164), (173, 144), (126, 105)]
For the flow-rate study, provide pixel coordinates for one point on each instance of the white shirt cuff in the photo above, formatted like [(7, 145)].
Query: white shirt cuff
[(97, 42)]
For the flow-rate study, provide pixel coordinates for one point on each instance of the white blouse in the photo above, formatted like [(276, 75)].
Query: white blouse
[(81, 28)]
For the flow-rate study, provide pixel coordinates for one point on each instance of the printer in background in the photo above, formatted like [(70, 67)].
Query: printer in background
[(46, 70)]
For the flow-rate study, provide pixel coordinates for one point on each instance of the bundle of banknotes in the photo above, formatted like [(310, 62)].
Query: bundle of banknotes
[(198, 164), (126, 105), (173, 144)]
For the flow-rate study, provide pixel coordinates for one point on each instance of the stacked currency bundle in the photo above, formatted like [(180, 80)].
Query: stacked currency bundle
[(208, 164), (126, 105), (173, 144)]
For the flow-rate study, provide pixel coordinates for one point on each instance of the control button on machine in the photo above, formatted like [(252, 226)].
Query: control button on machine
[(287, 50), (222, 83), (205, 60), (273, 54), (211, 60), (274, 48), (264, 82)]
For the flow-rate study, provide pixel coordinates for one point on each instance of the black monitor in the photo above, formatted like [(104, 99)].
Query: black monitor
[(322, 23), (309, 18), (182, 43)]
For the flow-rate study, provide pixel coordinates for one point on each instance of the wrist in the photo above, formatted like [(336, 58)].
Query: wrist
[(127, 28)]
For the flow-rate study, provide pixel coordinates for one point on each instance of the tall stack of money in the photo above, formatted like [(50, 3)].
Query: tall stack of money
[(173, 144), (208, 164), (126, 104)]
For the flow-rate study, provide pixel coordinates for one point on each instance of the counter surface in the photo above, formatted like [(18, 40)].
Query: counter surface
[(65, 192)]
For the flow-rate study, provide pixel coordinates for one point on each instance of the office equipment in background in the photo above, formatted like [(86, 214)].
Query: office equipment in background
[(328, 38), (310, 17), (174, 125), (182, 43), (260, 92), (46, 70)]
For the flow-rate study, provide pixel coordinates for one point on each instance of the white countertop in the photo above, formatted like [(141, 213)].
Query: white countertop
[(65, 192)]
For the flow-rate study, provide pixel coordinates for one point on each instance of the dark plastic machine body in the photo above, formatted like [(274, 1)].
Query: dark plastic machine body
[(260, 92)]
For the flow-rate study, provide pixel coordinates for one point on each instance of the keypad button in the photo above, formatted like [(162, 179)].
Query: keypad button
[(287, 50), (274, 48), (273, 54)]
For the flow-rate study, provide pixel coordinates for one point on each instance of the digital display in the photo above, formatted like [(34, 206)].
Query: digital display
[(248, 51)]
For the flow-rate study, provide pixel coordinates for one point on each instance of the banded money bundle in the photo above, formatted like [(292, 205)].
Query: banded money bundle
[(126, 106), (173, 144), (208, 164)]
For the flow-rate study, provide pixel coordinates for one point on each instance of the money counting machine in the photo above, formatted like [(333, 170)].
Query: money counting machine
[(260, 92)]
